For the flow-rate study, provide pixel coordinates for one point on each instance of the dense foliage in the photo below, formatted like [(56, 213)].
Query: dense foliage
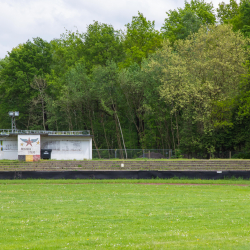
[(184, 87)]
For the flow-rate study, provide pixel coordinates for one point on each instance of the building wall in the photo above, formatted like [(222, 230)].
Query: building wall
[(63, 147), (8, 148), (68, 148)]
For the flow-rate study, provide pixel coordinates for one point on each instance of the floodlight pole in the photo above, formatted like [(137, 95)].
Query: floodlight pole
[(13, 124), (13, 114)]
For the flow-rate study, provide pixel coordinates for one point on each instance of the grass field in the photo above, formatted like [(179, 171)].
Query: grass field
[(124, 214)]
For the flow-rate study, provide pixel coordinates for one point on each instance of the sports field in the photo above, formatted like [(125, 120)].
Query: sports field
[(124, 214)]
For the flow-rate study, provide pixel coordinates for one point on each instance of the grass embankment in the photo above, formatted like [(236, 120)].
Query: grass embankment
[(123, 216)]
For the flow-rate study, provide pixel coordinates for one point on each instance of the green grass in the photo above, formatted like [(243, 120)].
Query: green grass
[(39, 214), (9, 161)]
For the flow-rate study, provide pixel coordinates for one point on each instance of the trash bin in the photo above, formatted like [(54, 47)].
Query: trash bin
[(46, 153)]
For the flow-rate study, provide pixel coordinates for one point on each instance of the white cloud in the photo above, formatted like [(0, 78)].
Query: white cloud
[(21, 20)]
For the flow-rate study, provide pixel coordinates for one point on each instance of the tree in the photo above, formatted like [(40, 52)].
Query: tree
[(181, 23), (199, 80), (67, 51), (101, 43), (227, 12), (39, 103), (245, 17), (132, 84), (106, 81), (19, 68), (238, 15), (75, 107), (141, 40), (221, 63)]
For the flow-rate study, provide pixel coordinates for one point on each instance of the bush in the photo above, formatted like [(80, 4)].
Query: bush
[(242, 155), (177, 154)]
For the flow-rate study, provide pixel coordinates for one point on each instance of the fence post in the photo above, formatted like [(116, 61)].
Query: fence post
[(230, 154), (149, 154), (115, 153), (143, 153), (169, 153)]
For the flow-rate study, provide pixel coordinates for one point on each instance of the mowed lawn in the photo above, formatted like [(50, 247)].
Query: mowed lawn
[(124, 216)]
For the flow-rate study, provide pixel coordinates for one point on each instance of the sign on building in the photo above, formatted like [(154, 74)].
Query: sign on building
[(29, 147)]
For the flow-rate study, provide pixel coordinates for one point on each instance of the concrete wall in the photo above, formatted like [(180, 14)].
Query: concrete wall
[(63, 147)]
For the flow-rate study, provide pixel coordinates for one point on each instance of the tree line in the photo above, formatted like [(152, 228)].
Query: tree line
[(184, 87)]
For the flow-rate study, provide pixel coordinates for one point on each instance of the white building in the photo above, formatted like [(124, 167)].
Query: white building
[(65, 145)]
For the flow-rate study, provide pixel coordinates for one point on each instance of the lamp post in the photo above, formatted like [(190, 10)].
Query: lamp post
[(13, 114)]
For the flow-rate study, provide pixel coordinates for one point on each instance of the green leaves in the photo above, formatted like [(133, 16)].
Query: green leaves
[(238, 15), (227, 12), (141, 40), (101, 43), (67, 51), (181, 23), (201, 78), (18, 71)]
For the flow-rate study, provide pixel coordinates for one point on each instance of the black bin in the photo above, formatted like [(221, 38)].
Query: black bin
[(46, 153)]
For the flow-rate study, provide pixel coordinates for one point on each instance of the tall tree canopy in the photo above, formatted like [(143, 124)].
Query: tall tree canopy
[(140, 40), (199, 82), (236, 14), (184, 21), (23, 63), (67, 50), (101, 43)]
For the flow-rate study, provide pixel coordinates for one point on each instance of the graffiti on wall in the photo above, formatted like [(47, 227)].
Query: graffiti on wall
[(29, 147), (63, 145), (8, 145), (54, 145)]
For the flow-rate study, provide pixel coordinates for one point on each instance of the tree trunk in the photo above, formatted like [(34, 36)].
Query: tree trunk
[(120, 129), (94, 135), (172, 131), (105, 134), (122, 136), (118, 135), (178, 137)]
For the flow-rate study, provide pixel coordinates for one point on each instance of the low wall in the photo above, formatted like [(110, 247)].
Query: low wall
[(208, 175)]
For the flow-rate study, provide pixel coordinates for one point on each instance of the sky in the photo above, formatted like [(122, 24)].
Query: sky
[(21, 20)]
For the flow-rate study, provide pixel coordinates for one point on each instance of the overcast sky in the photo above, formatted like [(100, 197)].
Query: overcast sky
[(21, 20)]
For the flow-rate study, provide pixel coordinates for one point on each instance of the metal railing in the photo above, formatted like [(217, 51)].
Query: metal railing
[(132, 153), (17, 131), (164, 154)]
